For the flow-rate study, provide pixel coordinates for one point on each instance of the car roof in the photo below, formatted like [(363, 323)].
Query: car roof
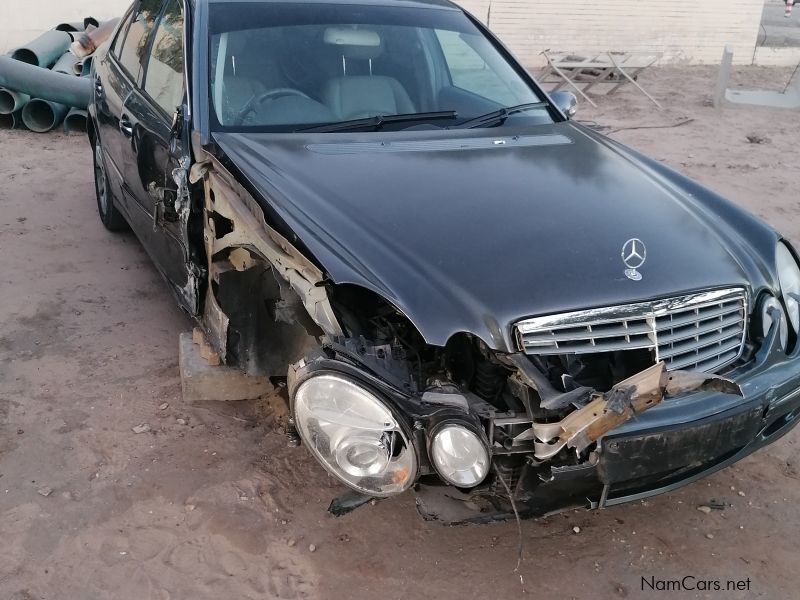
[(446, 4)]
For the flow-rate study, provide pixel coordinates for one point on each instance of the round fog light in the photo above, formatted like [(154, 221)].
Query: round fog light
[(460, 456)]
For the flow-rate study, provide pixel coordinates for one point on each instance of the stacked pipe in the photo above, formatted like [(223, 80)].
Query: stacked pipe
[(45, 83)]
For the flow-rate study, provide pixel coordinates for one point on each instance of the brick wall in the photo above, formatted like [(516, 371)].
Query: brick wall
[(686, 31), (690, 31), (23, 20)]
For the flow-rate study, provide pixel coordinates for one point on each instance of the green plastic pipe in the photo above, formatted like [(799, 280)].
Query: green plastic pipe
[(12, 121), (44, 83), (11, 101), (45, 50), (42, 116)]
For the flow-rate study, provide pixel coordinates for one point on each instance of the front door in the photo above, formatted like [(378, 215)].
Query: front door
[(159, 212)]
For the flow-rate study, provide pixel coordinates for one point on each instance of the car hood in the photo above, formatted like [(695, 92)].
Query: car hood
[(472, 230)]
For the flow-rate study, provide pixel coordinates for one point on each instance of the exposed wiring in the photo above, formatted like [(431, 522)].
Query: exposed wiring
[(516, 515)]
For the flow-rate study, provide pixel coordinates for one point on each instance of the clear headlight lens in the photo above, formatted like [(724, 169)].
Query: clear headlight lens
[(354, 435), (459, 455), (769, 307), (789, 277)]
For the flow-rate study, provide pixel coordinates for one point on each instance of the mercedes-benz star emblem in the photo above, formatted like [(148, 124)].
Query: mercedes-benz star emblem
[(634, 253)]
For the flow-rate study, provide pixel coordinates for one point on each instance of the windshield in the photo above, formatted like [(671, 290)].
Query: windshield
[(279, 66)]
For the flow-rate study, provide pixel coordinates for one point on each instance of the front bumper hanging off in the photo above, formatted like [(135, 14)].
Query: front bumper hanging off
[(685, 438)]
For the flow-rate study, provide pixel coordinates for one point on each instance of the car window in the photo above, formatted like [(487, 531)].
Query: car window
[(117, 45), (285, 66), (464, 54), (164, 76), (133, 49)]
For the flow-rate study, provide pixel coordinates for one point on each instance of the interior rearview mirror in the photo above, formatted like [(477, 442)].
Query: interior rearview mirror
[(566, 101)]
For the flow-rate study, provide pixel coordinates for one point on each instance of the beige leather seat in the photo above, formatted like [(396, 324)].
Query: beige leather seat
[(355, 97), (357, 93)]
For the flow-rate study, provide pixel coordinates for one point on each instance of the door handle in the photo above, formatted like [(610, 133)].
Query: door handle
[(98, 87), (125, 126)]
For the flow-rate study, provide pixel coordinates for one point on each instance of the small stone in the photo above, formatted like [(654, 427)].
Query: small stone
[(45, 491), (576, 529), (291, 542), (164, 406), (20, 431), (181, 421), (704, 509), (284, 521), (143, 428), (754, 138), (312, 548), (67, 495), (741, 493), (190, 507), (710, 536)]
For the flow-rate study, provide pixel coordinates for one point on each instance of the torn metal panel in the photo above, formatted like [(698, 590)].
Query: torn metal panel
[(683, 382), (246, 258), (216, 323), (635, 395), (227, 198)]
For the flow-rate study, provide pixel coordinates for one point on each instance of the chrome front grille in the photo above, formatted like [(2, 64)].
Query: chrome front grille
[(704, 331)]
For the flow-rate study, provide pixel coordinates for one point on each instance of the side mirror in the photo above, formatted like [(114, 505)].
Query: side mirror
[(566, 101)]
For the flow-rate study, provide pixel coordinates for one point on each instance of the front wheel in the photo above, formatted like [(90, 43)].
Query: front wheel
[(109, 215)]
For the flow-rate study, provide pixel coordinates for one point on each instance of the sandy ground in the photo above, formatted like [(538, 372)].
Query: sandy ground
[(219, 507)]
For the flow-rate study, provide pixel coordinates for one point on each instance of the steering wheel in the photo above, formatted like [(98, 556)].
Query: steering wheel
[(259, 99)]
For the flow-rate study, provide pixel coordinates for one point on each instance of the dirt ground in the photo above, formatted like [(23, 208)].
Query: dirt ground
[(217, 506)]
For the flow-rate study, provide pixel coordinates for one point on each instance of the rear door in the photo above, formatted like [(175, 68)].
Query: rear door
[(154, 153), (121, 71), (111, 87)]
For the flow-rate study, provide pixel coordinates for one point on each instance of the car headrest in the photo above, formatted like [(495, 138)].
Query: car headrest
[(358, 44)]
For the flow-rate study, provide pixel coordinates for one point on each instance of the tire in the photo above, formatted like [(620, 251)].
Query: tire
[(109, 214)]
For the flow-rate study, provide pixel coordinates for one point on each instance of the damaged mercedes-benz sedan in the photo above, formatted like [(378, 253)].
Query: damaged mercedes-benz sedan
[(466, 292)]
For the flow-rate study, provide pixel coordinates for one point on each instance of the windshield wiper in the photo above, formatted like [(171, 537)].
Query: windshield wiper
[(500, 116), (379, 121)]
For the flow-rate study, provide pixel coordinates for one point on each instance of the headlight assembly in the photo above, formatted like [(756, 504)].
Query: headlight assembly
[(771, 309), (789, 277), (354, 435), (460, 456)]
